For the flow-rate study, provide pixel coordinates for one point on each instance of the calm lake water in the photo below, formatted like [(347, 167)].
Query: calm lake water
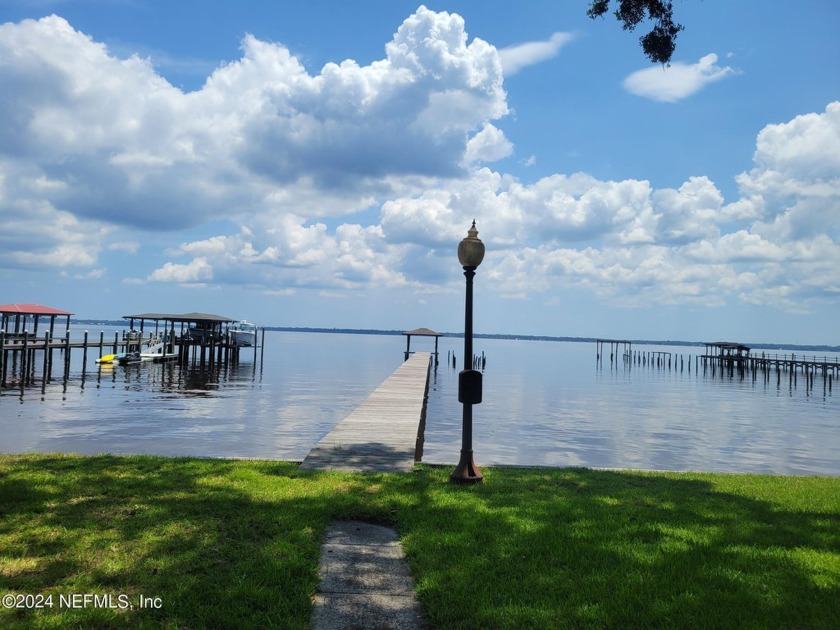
[(545, 404)]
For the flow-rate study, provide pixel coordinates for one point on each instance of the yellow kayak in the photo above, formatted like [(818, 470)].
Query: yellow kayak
[(108, 358)]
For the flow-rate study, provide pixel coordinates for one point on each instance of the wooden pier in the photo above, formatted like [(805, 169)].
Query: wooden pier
[(733, 360), (20, 365), (383, 434), (736, 359)]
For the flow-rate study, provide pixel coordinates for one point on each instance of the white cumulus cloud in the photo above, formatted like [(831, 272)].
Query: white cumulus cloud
[(361, 177), (795, 183), (197, 270), (488, 145), (625, 241), (262, 135)]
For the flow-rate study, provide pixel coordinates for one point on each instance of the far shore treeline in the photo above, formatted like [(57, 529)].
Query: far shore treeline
[(366, 331)]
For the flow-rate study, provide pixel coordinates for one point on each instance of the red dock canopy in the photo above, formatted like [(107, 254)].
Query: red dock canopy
[(16, 312), (31, 309)]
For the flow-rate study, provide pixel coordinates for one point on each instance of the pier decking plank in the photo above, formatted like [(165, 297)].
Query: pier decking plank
[(380, 435)]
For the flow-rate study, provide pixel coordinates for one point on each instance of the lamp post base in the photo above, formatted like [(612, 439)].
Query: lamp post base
[(466, 471)]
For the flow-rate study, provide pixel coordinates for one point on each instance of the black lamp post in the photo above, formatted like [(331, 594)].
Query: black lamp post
[(470, 255)]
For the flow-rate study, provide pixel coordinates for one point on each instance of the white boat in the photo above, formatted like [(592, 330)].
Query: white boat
[(156, 350), (243, 333)]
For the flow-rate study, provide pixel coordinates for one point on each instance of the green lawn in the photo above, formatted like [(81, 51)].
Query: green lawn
[(235, 544)]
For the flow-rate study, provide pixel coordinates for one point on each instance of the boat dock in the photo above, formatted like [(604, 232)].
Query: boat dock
[(18, 361), (191, 339), (385, 432)]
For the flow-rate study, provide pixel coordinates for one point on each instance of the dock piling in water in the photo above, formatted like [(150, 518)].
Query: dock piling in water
[(624, 345), (45, 370)]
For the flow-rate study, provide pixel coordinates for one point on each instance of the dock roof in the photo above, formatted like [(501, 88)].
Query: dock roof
[(31, 309), (727, 344), (182, 317), (423, 332)]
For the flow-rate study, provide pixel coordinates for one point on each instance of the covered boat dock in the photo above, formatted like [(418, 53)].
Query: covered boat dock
[(199, 337), (14, 319)]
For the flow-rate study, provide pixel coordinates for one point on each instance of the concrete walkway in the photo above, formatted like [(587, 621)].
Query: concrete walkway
[(365, 581)]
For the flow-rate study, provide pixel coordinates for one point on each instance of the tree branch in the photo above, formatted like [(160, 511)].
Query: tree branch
[(659, 44)]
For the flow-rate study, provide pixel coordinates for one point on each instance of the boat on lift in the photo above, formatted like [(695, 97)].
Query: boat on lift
[(156, 350), (243, 333)]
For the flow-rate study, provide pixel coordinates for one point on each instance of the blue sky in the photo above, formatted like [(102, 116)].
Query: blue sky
[(316, 164)]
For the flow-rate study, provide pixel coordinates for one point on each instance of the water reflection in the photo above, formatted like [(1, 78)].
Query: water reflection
[(275, 409), (545, 403), (190, 381), (550, 404)]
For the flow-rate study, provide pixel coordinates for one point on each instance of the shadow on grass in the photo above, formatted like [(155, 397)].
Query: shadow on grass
[(582, 548), (366, 457), (236, 544), (222, 543)]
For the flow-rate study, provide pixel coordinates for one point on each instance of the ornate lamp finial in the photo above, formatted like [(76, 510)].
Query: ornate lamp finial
[(471, 249)]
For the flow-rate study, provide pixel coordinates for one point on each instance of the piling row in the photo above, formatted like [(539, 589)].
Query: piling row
[(19, 362), (654, 359), (763, 366)]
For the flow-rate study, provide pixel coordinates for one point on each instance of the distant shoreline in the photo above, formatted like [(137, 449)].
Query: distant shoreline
[(371, 331)]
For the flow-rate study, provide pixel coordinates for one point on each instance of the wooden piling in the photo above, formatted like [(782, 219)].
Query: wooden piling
[(84, 355), (2, 358), (23, 359), (45, 369), (67, 355)]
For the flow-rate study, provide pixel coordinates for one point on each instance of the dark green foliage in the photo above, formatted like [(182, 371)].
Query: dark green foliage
[(660, 42)]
